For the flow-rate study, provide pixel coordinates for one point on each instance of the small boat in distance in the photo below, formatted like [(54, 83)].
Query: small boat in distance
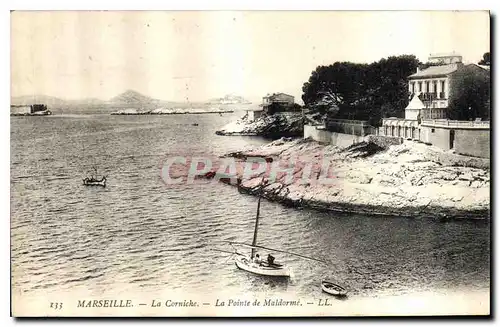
[(332, 288), (94, 181)]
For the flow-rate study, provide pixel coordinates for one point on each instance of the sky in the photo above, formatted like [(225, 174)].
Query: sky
[(196, 56)]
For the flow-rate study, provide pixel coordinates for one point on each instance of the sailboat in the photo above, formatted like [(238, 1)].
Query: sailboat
[(252, 263), (255, 265)]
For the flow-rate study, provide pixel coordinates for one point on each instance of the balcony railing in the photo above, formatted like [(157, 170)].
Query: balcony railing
[(429, 96), (348, 121), (457, 123)]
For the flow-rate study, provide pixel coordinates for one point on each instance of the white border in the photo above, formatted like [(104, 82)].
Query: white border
[(181, 5), (250, 5)]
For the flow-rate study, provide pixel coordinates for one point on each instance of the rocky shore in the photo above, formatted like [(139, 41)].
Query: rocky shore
[(410, 179), (285, 124)]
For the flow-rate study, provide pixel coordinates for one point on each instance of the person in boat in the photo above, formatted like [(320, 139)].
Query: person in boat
[(270, 259), (257, 259)]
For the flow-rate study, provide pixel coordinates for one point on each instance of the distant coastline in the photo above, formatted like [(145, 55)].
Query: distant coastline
[(36, 109), (47, 113), (132, 102), (170, 112)]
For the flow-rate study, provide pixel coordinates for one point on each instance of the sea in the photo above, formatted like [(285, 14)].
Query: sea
[(139, 235)]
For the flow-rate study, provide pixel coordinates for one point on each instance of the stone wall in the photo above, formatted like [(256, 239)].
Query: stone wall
[(468, 141), (327, 137), (254, 114), (344, 140), (319, 135), (473, 142), (439, 137), (384, 141), (353, 127)]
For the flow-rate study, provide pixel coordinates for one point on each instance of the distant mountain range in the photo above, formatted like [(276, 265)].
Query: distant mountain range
[(128, 98)]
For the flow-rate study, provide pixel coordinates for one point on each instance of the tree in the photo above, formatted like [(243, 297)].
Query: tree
[(389, 86), (470, 94), (338, 83), (361, 91), (486, 59)]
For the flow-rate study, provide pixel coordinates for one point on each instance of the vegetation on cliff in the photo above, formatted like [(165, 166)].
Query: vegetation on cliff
[(280, 124), (362, 91)]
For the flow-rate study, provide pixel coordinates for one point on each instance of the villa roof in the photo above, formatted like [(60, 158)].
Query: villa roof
[(415, 103), (275, 94), (441, 70)]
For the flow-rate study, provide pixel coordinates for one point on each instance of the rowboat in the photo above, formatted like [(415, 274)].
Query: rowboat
[(94, 181), (333, 289)]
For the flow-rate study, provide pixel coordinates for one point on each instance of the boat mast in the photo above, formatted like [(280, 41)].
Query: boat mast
[(254, 242)]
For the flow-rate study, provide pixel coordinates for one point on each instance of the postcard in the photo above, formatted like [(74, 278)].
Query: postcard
[(250, 163)]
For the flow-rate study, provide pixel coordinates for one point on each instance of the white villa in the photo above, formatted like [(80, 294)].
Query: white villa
[(432, 85), (430, 90)]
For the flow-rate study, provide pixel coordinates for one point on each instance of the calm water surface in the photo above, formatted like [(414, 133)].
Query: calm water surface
[(139, 234)]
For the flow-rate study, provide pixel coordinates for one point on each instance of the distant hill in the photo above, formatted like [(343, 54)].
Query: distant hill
[(133, 97), (128, 97), (229, 99)]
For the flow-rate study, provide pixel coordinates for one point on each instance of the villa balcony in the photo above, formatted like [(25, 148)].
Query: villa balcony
[(429, 96), (476, 124)]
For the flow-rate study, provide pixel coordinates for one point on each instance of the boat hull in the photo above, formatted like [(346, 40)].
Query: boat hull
[(100, 183), (333, 289), (246, 264)]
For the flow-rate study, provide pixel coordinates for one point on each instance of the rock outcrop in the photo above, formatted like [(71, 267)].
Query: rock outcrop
[(283, 124), (410, 179)]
